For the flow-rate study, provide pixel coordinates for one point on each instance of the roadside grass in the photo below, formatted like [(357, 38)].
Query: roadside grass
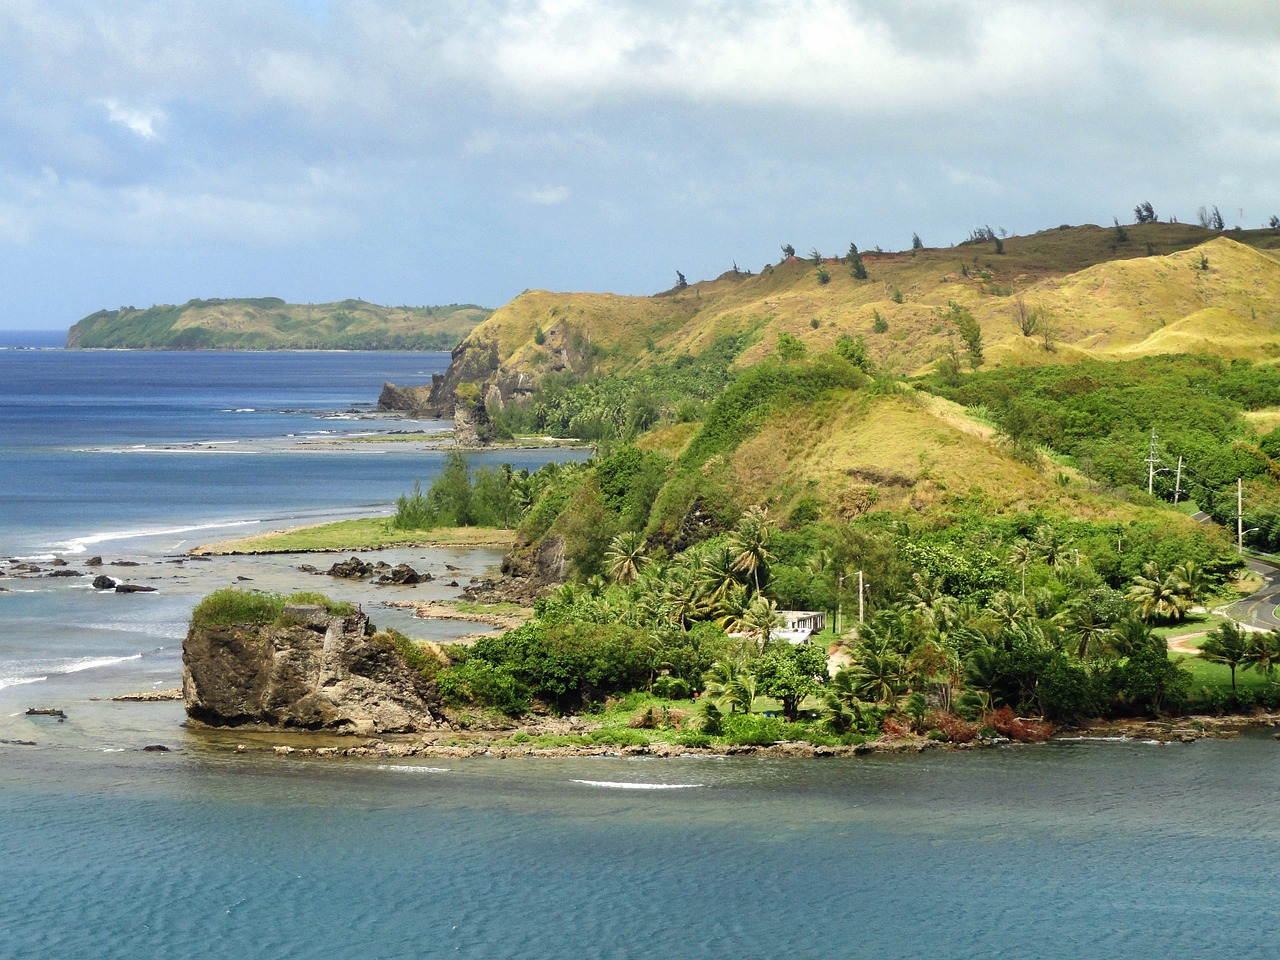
[(366, 533), (1205, 673), (1192, 623)]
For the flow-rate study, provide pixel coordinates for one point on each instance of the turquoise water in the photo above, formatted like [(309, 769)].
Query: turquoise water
[(1063, 851)]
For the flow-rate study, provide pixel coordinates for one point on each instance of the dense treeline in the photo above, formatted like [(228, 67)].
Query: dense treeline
[(1100, 416), (621, 406)]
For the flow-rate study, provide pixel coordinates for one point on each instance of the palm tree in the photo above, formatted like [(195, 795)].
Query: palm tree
[(1158, 595), (842, 707), (1192, 575), (1131, 636), (878, 672), (1082, 624), (1049, 548), (715, 573), (762, 618), (719, 683), (625, 557), (984, 672), (750, 544), (1228, 644), (680, 602), (1021, 555), (1262, 653)]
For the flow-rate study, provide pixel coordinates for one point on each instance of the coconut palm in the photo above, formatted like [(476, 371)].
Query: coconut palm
[(878, 672), (750, 544), (1228, 644), (1159, 595), (1131, 636), (1083, 625), (715, 573), (729, 684), (1022, 554), (680, 599), (843, 709), (762, 618), (1263, 653), (625, 557)]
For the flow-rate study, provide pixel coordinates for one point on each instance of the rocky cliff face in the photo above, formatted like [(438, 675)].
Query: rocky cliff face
[(310, 671)]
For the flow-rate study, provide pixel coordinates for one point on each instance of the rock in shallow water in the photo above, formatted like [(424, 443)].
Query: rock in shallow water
[(309, 671)]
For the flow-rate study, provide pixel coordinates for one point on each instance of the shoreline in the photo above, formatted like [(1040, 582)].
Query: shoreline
[(502, 744)]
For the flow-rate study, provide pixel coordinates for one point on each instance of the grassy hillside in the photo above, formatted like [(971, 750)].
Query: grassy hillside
[(1162, 288), (268, 323)]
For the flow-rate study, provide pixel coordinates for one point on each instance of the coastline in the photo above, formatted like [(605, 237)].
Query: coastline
[(505, 744)]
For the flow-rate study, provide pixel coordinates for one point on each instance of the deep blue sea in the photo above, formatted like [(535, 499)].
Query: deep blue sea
[(1067, 850)]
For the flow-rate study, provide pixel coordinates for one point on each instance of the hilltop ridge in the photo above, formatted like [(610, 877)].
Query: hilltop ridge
[(269, 323), (1164, 287)]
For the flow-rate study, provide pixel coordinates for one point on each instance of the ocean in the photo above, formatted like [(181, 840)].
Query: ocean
[(1067, 850)]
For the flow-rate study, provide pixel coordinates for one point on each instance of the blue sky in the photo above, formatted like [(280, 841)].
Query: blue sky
[(437, 152)]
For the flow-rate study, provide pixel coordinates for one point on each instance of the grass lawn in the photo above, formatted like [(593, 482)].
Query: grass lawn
[(367, 533), (1205, 673)]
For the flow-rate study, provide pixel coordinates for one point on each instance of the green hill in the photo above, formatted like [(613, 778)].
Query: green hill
[(268, 323), (1164, 287)]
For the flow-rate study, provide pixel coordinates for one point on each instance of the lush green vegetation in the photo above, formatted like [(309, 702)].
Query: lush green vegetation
[(230, 607), (621, 406), (1100, 416), (461, 497), (268, 323)]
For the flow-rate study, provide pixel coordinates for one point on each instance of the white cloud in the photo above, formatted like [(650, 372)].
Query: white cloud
[(544, 196), (141, 122)]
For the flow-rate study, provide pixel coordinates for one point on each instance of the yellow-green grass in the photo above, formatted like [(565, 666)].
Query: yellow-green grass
[(1106, 299), (366, 533), (858, 452)]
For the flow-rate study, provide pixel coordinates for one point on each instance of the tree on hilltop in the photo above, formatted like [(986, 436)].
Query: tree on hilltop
[(1145, 213), (788, 251), (856, 266)]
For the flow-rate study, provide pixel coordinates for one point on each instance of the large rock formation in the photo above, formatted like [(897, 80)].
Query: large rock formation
[(309, 670)]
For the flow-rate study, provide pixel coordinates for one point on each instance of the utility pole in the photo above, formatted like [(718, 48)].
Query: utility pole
[(861, 587), (1152, 460), (839, 603), (1239, 516), (1177, 484)]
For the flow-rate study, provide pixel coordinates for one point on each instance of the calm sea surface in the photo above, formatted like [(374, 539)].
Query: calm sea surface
[(1070, 850)]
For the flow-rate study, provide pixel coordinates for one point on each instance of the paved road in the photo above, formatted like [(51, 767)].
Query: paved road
[(1259, 608)]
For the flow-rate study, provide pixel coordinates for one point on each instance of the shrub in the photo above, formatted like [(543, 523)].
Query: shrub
[(672, 688), (231, 607), (750, 729), (427, 664), (950, 728), (484, 684), (618, 738), (1021, 729)]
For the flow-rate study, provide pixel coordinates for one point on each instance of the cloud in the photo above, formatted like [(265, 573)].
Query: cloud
[(141, 122), (544, 196)]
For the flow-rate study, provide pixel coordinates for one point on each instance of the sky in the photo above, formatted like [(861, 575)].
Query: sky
[(441, 151)]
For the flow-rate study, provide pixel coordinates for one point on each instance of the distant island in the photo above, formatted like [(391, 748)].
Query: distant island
[(269, 323)]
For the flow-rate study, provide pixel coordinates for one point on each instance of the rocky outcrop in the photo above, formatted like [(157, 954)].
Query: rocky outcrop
[(412, 400), (311, 671)]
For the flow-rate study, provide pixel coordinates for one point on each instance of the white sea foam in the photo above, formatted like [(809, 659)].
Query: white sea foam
[(82, 544), (93, 663), (16, 681), (408, 768), (240, 410), (624, 785)]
